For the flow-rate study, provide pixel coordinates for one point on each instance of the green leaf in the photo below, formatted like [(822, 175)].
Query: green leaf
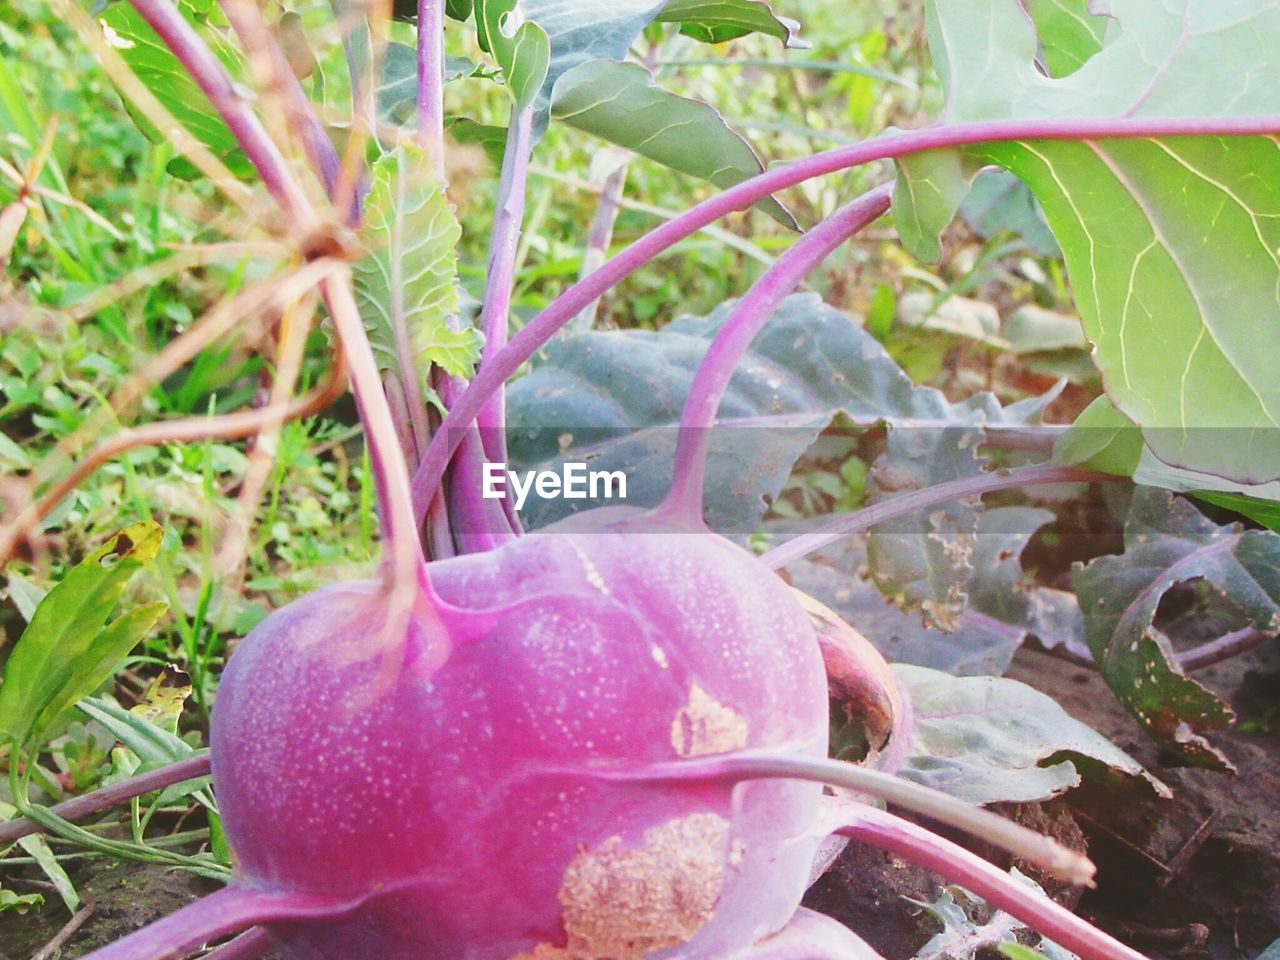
[(19, 902), (998, 202), (621, 103), (1167, 542), (1003, 606), (1171, 244), (398, 85), (490, 138), (1069, 33), (163, 74), (715, 21), (991, 740), (578, 32), (521, 47), (613, 400), (407, 281), (1265, 512), (1101, 438), (153, 745), (458, 9), (68, 648), (37, 848)]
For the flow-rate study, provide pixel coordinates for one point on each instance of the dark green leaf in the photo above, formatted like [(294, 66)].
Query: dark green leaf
[(491, 139), (991, 740), (621, 103), (406, 283), (458, 9), (68, 648), (999, 201), (1167, 542), (715, 21), (1002, 610)]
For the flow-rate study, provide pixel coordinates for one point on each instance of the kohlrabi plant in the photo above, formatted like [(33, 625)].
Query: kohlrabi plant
[(606, 737)]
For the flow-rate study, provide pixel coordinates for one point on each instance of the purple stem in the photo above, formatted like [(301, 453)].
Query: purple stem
[(500, 276), (78, 808), (917, 500), (229, 910), (205, 69), (1224, 648), (307, 126), (957, 865), (478, 524), (543, 327), (250, 945), (431, 81), (683, 502)]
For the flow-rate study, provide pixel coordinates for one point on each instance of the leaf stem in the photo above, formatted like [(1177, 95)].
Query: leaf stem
[(431, 81), (544, 326), (917, 500), (957, 865), (229, 910), (500, 277), (192, 768), (205, 69), (684, 500)]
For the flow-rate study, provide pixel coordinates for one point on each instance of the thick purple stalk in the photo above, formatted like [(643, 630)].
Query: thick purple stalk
[(248, 946), (478, 524), (684, 500), (544, 326), (229, 910), (403, 563), (957, 865), (500, 276), (78, 808), (431, 81), (205, 69), (917, 500)]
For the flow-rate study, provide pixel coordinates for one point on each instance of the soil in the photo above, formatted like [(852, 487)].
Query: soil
[(1197, 876), (1194, 877)]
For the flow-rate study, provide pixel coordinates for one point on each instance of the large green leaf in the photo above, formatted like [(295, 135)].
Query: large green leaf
[(68, 648), (614, 399), (407, 281), (991, 739), (1167, 542), (621, 103), (163, 74), (1171, 244), (715, 21)]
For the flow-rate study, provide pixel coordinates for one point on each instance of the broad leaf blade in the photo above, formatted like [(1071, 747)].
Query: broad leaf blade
[(67, 649), (521, 47), (406, 283), (621, 103), (716, 21), (1167, 542), (1150, 228), (163, 74), (991, 739), (1069, 33)]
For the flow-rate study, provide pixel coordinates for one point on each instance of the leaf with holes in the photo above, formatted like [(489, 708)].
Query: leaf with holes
[(1002, 611), (407, 281), (1167, 542), (1180, 306)]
